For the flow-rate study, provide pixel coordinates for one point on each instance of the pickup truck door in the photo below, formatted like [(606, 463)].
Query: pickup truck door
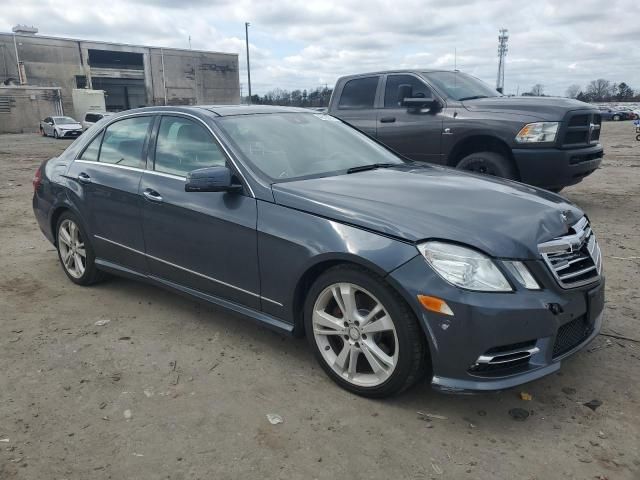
[(414, 134), (356, 102)]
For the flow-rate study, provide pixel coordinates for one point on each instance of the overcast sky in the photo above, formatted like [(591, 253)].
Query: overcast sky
[(307, 43)]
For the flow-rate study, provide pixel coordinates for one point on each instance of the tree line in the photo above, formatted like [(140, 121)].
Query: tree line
[(600, 90), (318, 97)]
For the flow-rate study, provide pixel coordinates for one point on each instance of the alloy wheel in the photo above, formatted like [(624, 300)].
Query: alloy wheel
[(355, 334), (72, 250)]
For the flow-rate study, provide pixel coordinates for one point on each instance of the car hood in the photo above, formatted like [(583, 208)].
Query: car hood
[(502, 218), (543, 108), (70, 126)]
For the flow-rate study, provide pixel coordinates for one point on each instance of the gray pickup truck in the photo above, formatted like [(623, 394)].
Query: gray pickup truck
[(452, 118)]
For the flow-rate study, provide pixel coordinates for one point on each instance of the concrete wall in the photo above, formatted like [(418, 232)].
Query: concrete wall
[(192, 77), (26, 107)]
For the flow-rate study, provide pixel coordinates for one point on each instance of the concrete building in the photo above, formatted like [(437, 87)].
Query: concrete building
[(130, 75)]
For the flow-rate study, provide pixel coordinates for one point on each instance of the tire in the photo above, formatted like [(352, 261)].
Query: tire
[(349, 348), (488, 163), (69, 247), (55, 134), (615, 118), (638, 138)]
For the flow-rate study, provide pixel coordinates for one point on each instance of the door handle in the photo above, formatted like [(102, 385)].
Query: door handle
[(152, 195), (387, 119), (84, 178)]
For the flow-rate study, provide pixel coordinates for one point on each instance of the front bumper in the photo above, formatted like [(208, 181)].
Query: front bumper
[(495, 324), (70, 133), (556, 168)]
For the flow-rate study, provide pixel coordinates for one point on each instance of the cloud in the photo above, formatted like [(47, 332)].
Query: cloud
[(306, 43)]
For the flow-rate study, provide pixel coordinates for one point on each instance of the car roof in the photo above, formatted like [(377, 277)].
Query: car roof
[(221, 110), (229, 110), (413, 70)]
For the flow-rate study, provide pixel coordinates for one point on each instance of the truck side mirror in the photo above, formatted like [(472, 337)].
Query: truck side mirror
[(404, 91)]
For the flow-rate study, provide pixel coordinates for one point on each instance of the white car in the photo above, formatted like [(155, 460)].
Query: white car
[(91, 118), (60, 127)]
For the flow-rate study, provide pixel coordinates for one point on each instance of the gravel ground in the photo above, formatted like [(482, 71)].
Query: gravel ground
[(172, 388)]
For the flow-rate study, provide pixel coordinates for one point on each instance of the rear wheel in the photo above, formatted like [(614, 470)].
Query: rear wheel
[(488, 163), (363, 334), (76, 252), (616, 117)]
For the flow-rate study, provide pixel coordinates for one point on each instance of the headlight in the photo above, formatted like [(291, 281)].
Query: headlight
[(540, 132), (464, 267), (522, 274)]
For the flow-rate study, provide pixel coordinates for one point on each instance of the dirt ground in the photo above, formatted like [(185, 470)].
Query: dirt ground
[(172, 388)]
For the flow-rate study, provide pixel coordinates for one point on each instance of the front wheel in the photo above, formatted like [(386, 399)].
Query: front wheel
[(488, 163), (363, 334), (75, 251), (616, 118), (55, 134)]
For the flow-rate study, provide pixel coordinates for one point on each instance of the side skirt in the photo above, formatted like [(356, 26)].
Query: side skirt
[(260, 317)]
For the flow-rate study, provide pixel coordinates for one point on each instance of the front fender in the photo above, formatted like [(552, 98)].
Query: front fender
[(292, 243)]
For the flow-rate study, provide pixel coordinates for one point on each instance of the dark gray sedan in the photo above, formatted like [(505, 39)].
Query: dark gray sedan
[(394, 271)]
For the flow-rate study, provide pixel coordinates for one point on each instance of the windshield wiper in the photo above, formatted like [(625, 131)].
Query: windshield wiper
[(475, 97), (372, 166)]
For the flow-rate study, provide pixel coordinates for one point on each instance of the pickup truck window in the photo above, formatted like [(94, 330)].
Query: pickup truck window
[(359, 93), (419, 89), (460, 86)]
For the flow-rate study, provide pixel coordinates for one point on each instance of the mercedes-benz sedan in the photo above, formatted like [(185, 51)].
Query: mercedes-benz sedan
[(394, 271)]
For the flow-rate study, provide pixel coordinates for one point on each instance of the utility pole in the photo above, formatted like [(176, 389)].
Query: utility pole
[(246, 36), (503, 38)]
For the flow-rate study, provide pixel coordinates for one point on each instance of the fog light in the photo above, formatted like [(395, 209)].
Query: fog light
[(435, 304)]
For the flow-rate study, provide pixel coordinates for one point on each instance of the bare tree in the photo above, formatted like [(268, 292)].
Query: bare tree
[(537, 90), (573, 90), (599, 90)]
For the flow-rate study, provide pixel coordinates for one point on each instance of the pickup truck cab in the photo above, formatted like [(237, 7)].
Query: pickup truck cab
[(452, 118)]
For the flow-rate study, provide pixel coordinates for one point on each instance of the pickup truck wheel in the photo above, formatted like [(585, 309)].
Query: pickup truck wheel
[(489, 163)]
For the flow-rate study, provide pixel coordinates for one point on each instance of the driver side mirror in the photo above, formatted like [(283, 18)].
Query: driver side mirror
[(211, 179), (406, 99)]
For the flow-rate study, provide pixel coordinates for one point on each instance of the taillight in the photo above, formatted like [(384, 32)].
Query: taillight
[(37, 179)]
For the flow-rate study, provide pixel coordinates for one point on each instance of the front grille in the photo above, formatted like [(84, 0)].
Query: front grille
[(582, 129), (574, 259), (571, 334)]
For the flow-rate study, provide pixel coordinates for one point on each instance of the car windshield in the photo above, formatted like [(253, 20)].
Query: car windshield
[(460, 86), (285, 146), (64, 120)]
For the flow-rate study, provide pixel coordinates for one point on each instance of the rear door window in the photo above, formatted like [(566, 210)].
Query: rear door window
[(92, 150), (124, 142), (359, 93), (183, 146)]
